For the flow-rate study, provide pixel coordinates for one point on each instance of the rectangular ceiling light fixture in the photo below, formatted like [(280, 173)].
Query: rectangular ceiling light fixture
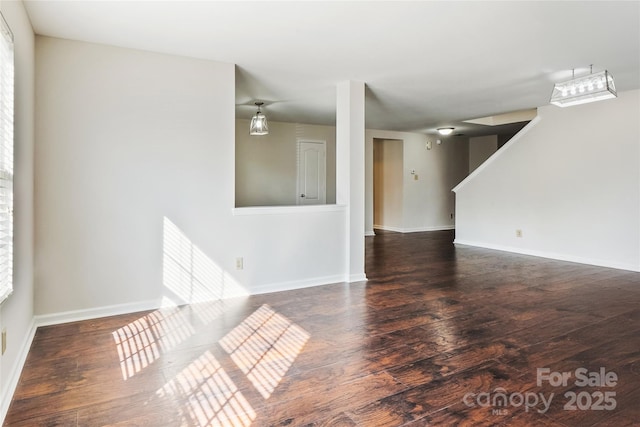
[(581, 90)]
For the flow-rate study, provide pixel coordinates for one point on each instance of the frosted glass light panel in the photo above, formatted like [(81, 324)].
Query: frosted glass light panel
[(259, 125), (581, 90)]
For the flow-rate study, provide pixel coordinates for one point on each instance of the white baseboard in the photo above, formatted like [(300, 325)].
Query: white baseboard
[(387, 228), (415, 229), (434, 228), (16, 371), (94, 313), (361, 277), (296, 284), (550, 255), (369, 233), (114, 310)]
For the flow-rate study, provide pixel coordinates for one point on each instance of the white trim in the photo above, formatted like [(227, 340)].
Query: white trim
[(551, 255), (369, 233), (297, 284), (434, 228), (361, 277), (16, 371), (94, 313), (415, 229), (498, 153), (280, 210), (386, 228)]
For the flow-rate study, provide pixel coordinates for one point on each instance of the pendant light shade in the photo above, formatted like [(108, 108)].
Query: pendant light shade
[(259, 124), (581, 90)]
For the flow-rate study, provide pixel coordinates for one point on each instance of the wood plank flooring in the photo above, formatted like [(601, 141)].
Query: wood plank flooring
[(437, 336)]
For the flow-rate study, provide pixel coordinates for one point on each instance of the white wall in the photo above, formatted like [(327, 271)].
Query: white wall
[(131, 144), (480, 149), (570, 181), (289, 247), (124, 139), (427, 202), (17, 311), (266, 166)]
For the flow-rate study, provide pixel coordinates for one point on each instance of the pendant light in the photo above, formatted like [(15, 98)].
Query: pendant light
[(580, 90), (259, 122)]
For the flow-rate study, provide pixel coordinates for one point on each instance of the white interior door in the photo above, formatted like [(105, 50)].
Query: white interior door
[(312, 172)]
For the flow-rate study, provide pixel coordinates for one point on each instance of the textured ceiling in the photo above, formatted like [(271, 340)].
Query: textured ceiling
[(425, 64)]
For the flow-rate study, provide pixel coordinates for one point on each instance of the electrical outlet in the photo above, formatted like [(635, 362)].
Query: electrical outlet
[(415, 177), (4, 340), (518, 233), (239, 263)]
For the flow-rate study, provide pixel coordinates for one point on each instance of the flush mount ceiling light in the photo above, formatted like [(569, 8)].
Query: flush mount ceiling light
[(445, 131), (259, 122), (581, 90)]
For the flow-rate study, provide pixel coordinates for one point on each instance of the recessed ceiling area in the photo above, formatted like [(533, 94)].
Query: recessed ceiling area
[(426, 64)]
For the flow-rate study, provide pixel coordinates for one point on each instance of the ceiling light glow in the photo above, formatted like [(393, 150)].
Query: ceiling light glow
[(259, 124), (581, 90), (445, 131)]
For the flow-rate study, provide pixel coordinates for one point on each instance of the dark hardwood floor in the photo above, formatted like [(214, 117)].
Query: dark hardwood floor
[(439, 335)]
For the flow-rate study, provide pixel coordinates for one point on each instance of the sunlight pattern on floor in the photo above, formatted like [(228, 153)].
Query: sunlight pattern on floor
[(142, 341), (264, 346), (208, 312), (210, 397)]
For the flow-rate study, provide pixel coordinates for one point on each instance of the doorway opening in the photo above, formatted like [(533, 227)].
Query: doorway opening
[(388, 159)]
